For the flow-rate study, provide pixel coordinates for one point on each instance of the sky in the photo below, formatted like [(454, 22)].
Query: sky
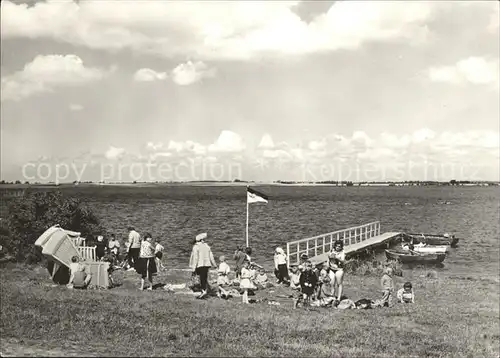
[(288, 90)]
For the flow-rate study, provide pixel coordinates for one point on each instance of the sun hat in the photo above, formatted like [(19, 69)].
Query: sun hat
[(201, 237)]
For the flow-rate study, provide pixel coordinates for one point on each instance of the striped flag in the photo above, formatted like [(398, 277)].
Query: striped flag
[(253, 196)]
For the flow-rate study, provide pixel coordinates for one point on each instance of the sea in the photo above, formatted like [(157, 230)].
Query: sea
[(175, 214)]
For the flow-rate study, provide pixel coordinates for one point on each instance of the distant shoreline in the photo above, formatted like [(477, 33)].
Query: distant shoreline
[(243, 184)]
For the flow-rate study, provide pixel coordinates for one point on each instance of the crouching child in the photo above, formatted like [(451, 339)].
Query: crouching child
[(406, 294)]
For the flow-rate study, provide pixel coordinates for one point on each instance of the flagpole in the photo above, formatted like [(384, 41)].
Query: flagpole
[(247, 217)]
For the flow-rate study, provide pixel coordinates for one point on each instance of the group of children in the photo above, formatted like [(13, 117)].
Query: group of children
[(323, 286), (249, 276)]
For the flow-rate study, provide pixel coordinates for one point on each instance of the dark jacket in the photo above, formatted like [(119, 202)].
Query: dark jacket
[(308, 281)]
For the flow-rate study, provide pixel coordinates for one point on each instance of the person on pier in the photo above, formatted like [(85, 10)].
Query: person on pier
[(336, 265)]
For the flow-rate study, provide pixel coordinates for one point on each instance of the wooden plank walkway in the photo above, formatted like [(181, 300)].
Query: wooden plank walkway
[(354, 248)]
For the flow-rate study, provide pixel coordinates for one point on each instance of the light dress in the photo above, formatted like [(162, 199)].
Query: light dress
[(246, 282)]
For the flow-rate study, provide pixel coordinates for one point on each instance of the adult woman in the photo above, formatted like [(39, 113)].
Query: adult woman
[(280, 266), (146, 265), (201, 260), (336, 265)]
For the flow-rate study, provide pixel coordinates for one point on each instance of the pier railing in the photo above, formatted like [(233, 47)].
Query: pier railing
[(317, 245), (87, 253)]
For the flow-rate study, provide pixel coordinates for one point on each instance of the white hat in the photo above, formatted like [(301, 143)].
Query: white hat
[(446, 235), (202, 236)]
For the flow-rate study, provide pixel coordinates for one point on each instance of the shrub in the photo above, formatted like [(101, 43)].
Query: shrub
[(29, 216), (362, 267)]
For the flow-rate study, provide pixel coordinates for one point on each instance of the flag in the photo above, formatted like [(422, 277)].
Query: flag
[(253, 196)]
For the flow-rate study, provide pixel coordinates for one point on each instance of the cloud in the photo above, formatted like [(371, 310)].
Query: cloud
[(149, 75), (224, 30), (46, 73), (191, 72), (475, 70), (75, 107), (114, 153), (228, 142), (266, 142)]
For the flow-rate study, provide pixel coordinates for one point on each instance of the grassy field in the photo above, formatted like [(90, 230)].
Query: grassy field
[(453, 317)]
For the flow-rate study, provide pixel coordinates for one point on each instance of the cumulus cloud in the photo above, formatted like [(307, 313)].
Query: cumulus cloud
[(191, 72), (475, 70), (266, 142), (114, 153), (228, 142), (223, 30), (46, 73), (149, 75), (75, 107)]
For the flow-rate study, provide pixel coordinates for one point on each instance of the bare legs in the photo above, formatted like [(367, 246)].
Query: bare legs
[(245, 296)]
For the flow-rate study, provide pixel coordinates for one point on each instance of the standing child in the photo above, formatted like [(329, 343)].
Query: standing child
[(114, 249), (387, 288), (406, 294), (308, 283), (159, 256), (246, 282), (280, 266), (239, 257), (100, 250)]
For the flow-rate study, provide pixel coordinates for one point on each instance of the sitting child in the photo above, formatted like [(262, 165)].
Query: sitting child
[(261, 280), (295, 278), (326, 293), (79, 278), (308, 283), (406, 294), (222, 276)]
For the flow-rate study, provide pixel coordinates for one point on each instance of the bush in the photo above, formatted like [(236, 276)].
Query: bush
[(361, 267), (29, 216)]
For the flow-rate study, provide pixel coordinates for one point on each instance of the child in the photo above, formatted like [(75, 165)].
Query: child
[(222, 275), (159, 255), (295, 278), (406, 294), (79, 278), (246, 283), (100, 250), (239, 257), (326, 293), (387, 288), (114, 249), (280, 266), (261, 280), (308, 283)]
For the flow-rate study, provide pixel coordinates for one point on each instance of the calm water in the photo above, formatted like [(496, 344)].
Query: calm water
[(177, 213)]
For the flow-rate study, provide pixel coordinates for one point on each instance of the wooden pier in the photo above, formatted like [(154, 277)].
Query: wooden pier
[(356, 240)]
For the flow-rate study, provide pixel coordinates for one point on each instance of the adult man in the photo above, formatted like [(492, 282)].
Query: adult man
[(134, 250), (201, 260)]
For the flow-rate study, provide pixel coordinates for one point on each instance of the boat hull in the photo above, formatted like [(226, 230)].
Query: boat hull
[(433, 239), (416, 258)]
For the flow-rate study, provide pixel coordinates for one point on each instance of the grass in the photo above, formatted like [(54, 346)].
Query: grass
[(454, 317)]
